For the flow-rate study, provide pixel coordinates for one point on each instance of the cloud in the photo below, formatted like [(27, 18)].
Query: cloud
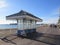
[(51, 20), (3, 4), (53, 17), (55, 11)]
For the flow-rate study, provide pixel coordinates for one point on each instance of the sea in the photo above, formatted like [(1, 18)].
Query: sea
[(10, 26), (7, 26)]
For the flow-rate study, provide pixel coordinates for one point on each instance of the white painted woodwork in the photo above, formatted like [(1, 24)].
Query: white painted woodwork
[(33, 24), (21, 17), (20, 24), (26, 24)]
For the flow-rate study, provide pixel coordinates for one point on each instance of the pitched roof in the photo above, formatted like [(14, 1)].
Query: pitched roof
[(23, 13)]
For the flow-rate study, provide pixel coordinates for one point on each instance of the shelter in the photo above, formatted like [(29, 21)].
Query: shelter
[(26, 22)]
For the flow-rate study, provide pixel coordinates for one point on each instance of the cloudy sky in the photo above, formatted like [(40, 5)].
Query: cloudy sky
[(48, 10)]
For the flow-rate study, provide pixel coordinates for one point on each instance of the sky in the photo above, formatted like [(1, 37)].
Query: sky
[(48, 10)]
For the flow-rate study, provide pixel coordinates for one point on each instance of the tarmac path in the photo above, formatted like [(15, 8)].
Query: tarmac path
[(44, 36)]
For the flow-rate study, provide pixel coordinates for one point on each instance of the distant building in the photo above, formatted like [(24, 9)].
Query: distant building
[(59, 21)]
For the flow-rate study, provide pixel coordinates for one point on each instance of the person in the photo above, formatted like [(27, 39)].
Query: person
[(53, 25)]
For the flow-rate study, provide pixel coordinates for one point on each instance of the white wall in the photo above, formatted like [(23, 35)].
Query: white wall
[(26, 24), (33, 24), (20, 24)]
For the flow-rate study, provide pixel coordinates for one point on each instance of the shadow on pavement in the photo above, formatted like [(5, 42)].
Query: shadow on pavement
[(45, 38), (40, 37)]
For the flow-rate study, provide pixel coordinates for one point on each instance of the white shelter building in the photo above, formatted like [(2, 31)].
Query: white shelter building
[(26, 21)]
